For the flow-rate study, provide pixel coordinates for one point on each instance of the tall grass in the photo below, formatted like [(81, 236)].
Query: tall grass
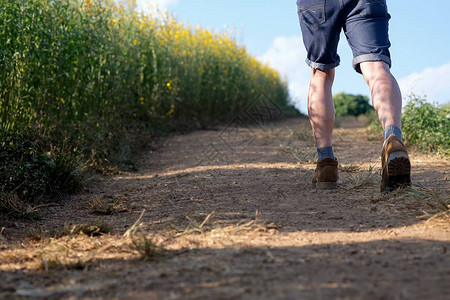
[(86, 77)]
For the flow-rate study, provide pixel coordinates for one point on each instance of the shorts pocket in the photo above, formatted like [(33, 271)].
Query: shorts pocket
[(311, 12)]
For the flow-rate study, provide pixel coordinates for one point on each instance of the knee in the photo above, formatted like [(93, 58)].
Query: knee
[(374, 70), (323, 75)]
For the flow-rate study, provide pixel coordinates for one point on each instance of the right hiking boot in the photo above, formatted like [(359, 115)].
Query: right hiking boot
[(326, 174), (396, 166)]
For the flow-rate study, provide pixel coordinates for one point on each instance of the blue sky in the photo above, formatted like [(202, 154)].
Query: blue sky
[(419, 33)]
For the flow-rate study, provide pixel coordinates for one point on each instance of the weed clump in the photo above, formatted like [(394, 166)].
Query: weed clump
[(30, 170), (107, 205), (147, 248), (92, 229)]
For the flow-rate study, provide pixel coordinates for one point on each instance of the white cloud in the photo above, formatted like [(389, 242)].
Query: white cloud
[(287, 55), (432, 82), (144, 5)]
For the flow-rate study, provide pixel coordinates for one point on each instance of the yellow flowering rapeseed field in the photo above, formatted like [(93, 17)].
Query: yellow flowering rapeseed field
[(73, 62), (85, 75)]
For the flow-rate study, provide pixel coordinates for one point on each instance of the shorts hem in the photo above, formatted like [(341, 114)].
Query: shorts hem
[(369, 57), (320, 66)]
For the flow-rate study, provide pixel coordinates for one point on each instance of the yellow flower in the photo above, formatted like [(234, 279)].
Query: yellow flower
[(61, 99), (172, 109), (135, 42), (169, 85), (142, 100)]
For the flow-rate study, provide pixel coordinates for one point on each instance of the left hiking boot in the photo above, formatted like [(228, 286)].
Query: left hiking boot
[(326, 174), (396, 166)]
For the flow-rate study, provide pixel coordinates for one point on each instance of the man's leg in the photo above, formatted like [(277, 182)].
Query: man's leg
[(321, 116), (321, 106), (386, 96), (387, 101)]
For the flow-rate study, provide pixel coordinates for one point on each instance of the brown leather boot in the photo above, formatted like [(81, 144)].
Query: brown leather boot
[(326, 174), (396, 167)]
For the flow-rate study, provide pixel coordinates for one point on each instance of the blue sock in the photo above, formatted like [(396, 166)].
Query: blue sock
[(326, 152), (392, 130)]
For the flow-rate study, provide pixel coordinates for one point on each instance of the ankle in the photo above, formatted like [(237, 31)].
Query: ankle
[(392, 130), (325, 152)]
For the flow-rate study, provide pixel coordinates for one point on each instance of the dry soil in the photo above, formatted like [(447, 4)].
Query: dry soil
[(230, 214)]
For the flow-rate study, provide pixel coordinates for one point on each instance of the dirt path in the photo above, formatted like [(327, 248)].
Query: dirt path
[(230, 214)]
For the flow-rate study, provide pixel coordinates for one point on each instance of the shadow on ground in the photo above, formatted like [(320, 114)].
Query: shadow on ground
[(394, 269)]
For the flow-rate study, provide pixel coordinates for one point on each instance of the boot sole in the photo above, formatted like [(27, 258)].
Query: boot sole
[(399, 171), (325, 185)]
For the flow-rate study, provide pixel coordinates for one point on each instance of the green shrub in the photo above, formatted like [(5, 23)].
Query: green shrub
[(351, 105), (426, 125)]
